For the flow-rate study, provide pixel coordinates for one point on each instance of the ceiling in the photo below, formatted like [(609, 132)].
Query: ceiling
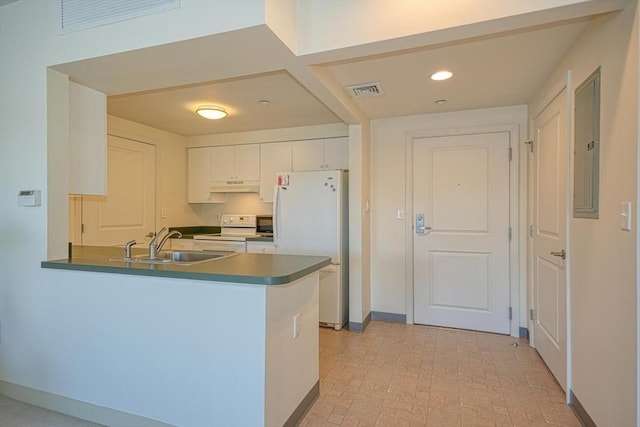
[(490, 71)]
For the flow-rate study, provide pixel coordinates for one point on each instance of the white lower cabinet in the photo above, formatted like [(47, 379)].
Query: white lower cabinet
[(261, 247)]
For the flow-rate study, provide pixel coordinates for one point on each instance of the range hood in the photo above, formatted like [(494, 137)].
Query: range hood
[(235, 187)]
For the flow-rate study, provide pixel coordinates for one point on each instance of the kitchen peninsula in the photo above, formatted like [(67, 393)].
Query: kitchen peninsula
[(230, 341)]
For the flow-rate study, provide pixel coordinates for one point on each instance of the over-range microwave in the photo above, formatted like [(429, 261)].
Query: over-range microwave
[(264, 224)]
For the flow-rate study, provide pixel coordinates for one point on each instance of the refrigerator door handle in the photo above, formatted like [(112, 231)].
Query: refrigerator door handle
[(275, 215)]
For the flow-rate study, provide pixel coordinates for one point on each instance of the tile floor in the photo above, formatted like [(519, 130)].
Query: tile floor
[(18, 414), (409, 375), (406, 375)]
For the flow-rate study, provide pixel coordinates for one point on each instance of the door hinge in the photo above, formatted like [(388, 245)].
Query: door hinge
[(81, 228), (510, 313), (510, 233), (531, 314), (532, 231), (510, 153), (530, 144)]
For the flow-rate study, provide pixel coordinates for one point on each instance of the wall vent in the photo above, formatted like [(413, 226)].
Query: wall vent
[(365, 89), (82, 14)]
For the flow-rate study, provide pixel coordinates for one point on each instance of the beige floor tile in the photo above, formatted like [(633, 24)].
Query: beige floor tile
[(408, 375)]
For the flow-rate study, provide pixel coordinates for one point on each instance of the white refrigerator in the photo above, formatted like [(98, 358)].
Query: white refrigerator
[(310, 218)]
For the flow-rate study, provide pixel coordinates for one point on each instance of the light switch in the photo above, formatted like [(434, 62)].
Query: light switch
[(400, 214), (625, 216)]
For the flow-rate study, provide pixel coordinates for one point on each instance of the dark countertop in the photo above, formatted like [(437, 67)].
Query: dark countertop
[(258, 269)]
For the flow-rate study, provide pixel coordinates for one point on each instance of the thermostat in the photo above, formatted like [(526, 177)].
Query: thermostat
[(29, 198)]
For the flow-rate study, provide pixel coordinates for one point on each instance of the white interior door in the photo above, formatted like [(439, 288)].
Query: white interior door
[(461, 262), (128, 210), (549, 236)]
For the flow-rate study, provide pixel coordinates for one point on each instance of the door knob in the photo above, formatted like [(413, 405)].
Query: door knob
[(562, 254), (150, 234)]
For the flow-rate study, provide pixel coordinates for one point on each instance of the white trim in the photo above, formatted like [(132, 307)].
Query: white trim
[(514, 212), (75, 408), (567, 235)]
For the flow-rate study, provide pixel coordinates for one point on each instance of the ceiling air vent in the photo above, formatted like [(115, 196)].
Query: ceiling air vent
[(365, 89), (81, 14)]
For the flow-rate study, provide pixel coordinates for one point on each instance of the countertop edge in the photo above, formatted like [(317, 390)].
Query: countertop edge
[(188, 275)]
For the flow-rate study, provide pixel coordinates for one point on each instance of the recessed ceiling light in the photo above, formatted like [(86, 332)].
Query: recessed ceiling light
[(265, 102), (212, 112), (441, 75), (441, 101)]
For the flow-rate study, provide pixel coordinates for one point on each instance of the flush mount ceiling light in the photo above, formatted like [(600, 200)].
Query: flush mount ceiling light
[(264, 103), (441, 75), (212, 112), (440, 101)]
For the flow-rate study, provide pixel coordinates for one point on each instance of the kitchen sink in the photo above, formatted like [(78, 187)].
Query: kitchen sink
[(180, 257)]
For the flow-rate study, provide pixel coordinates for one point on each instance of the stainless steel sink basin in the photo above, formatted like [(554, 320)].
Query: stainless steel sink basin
[(180, 257)]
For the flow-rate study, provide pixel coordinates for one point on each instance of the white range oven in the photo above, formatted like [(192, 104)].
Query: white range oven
[(234, 230)]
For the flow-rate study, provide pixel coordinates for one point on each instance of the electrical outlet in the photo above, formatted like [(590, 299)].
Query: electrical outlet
[(163, 213), (296, 328)]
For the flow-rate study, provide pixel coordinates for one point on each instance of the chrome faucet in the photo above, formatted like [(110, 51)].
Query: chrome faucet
[(154, 247)]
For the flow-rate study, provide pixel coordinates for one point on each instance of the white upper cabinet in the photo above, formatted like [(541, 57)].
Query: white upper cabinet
[(87, 140), (274, 157), (199, 173), (236, 163), (319, 154)]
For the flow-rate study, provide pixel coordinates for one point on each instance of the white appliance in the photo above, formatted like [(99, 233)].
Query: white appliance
[(234, 230), (310, 218)]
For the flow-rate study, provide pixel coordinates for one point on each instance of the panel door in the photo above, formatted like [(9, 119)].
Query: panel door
[(128, 210), (549, 273), (461, 261)]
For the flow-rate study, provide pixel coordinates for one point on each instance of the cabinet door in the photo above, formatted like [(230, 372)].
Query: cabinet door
[(87, 141), (199, 177), (222, 165), (308, 155), (274, 157), (247, 162), (336, 153)]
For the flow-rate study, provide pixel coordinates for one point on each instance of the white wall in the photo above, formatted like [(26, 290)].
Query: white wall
[(602, 257), (36, 307), (355, 22), (388, 194)]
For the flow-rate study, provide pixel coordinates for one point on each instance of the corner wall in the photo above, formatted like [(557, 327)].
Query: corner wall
[(602, 257), (388, 194)]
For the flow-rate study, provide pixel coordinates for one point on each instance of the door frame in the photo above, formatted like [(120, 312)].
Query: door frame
[(563, 83), (515, 252)]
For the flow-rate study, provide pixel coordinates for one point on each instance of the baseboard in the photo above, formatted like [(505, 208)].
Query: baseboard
[(580, 412), (524, 333), (389, 317), (75, 408), (360, 327), (304, 406)]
